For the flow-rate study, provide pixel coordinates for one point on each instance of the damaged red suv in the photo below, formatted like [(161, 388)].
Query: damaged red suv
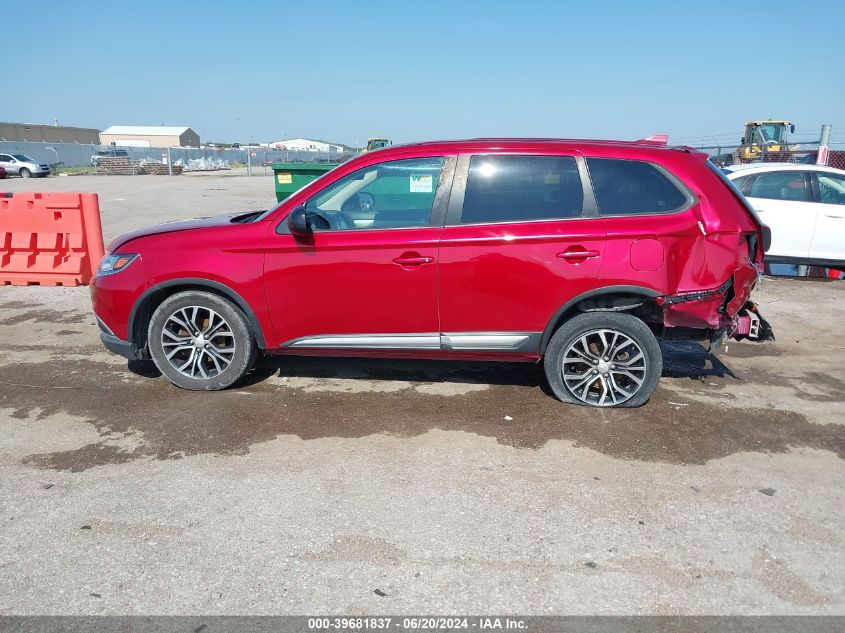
[(579, 254)]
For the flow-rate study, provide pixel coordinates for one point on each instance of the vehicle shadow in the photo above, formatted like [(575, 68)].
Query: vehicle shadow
[(687, 359), (680, 360)]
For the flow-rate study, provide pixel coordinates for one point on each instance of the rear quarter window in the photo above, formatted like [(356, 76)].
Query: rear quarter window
[(632, 187)]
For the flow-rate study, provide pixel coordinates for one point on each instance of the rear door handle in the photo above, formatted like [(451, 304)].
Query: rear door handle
[(835, 217), (413, 260), (579, 254)]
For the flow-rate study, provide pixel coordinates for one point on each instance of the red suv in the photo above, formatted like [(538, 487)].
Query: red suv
[(577, 253)]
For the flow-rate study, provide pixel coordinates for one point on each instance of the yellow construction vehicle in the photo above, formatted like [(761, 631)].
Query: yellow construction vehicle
[(764, 136), (376, 143)]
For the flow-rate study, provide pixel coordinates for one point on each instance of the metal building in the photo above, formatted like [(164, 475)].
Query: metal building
[(38, 133), (149, 136)]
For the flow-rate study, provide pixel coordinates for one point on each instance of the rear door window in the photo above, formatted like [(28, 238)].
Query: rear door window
[(632, 187), (506, 188), (779, 185)]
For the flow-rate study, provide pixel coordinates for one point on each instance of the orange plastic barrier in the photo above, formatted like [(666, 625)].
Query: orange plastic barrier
[(51, 239)]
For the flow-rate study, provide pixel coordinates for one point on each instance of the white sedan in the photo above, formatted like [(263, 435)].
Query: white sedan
[(803, 205)]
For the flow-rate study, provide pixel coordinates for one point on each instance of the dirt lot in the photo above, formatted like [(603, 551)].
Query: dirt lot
[(384, 487)]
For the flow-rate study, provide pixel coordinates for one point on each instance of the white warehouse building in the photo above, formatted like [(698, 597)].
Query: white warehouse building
[(307, 145)]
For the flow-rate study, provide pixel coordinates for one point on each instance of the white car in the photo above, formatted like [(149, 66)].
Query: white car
[(803, 205)]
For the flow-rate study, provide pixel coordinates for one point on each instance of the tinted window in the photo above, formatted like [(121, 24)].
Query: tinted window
[(392, 194), (779, 185), (831, 188), (629, 187), (513, 188)]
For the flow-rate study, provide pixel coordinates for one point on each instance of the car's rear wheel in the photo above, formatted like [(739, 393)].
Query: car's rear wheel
[(201, 341), (603, 359), (25, 173)]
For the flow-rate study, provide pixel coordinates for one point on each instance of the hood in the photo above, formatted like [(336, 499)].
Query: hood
[(227, 219)]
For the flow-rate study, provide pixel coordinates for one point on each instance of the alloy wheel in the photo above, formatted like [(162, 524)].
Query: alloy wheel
[(604, 367), (198, 342)]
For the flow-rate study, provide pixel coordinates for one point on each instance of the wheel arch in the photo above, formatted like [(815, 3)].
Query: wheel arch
[(152, 297), (571, 307)]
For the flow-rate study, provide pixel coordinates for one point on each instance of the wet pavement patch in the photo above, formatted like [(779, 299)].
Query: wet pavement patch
[(160, 421), (18, 305), (47, 316)]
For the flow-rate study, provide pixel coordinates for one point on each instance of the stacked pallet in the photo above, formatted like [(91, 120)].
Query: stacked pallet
[(160, 169), (118, 166)]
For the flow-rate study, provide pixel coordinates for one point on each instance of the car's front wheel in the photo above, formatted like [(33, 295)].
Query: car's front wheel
[(603, 359), (201, 341), (25, 173)]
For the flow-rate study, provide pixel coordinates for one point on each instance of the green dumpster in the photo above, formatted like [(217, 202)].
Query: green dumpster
[(291, 177)]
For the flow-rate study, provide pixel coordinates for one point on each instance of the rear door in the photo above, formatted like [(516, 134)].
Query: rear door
[(782, 199), (522, 237), (829, 238)]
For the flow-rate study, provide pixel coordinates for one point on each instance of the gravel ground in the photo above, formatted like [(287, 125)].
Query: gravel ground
[(363, 486)]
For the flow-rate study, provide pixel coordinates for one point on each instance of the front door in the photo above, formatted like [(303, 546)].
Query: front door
[(514, 249), (366, 278), (829, 239)]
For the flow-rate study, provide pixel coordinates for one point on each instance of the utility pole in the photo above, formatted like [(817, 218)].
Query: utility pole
[(824, 144)]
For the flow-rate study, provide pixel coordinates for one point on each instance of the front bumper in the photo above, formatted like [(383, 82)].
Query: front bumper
[(120, 347)]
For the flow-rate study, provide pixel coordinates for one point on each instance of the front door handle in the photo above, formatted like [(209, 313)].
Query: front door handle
[(834, 217), (412, 260), (577, 254)]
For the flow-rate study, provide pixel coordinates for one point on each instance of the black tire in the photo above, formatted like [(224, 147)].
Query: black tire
[(238, 347), (609, 379), (25, 173)]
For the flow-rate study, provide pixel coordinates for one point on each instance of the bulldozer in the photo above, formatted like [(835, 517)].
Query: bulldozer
[(763, 137), (376, 143)]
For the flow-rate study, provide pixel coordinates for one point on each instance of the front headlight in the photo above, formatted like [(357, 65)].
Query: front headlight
[(115, 262)]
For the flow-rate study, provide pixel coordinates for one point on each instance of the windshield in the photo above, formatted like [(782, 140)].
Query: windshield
[(23, 158), (772, 132)]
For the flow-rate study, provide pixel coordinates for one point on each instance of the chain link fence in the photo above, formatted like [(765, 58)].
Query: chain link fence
[(117, 160), (797, 153), (130, 161)]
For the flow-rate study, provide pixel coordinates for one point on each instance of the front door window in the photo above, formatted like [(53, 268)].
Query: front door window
[(390, 195)]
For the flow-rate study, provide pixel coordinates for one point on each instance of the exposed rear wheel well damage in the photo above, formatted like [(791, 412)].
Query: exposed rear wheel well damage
[(142, 312), (633, 300)]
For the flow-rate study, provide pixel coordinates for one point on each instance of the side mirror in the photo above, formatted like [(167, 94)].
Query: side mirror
[(298, 222), (792, 129)]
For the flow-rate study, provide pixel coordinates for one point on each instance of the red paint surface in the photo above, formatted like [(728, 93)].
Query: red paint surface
[(493, 277)]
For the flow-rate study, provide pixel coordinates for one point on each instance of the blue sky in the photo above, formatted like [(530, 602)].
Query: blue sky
[(343, 71)]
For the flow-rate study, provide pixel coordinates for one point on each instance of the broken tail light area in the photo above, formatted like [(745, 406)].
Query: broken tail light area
[(750, 324), (725, 311), (698, 295)]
